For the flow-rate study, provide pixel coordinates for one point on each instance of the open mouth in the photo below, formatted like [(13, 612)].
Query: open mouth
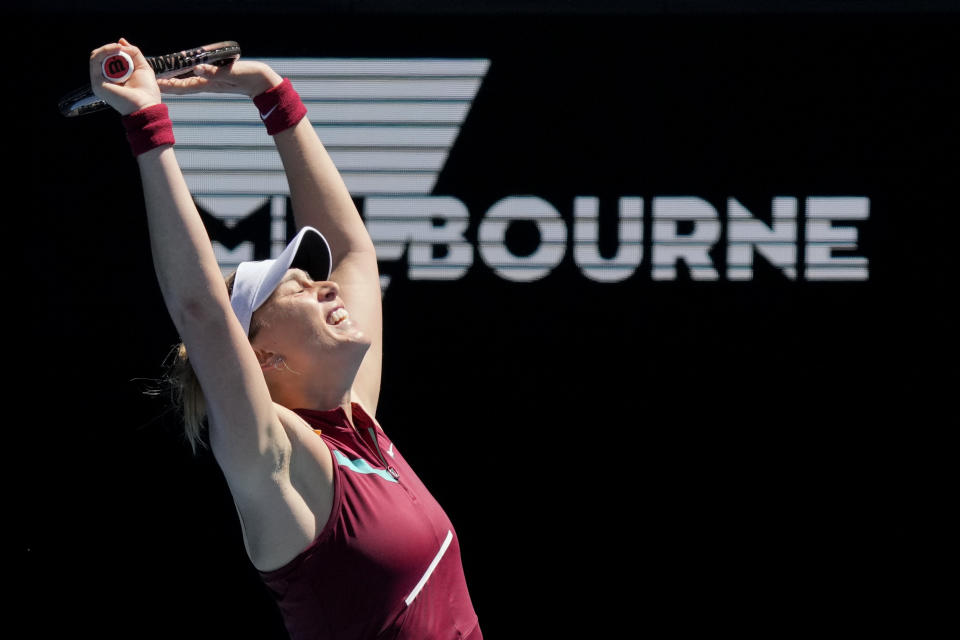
[(337, 316)]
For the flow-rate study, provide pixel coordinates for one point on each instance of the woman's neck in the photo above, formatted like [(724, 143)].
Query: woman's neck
[(324, 397)]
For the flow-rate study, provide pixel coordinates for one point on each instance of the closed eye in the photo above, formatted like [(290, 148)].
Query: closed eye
[(295, 289), (297, 281)]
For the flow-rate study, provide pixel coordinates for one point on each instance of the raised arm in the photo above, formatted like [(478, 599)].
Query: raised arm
[(321, 200), (245, 433)]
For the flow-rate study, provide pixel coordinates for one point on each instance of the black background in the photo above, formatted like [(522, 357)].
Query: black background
[(616, 458)]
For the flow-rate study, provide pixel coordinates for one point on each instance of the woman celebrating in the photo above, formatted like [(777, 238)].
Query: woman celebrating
[(288, 357)]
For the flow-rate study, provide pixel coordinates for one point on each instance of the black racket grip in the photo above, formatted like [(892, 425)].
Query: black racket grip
[(219, 53)]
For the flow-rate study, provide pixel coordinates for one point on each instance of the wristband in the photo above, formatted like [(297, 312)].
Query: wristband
[(148, 128), (280, 107)]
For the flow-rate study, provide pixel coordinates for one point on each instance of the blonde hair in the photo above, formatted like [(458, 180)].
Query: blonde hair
[(186, 392)]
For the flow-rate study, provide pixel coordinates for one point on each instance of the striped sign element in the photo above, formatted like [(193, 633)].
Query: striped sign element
[(388, 124)]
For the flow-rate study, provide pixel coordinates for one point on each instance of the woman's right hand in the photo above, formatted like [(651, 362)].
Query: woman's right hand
[(246, 77), (139, 91)]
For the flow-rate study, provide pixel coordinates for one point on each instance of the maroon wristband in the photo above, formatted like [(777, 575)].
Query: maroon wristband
[(148, 128), (280, 107)]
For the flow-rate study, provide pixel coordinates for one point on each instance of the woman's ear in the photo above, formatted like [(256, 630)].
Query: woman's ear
[(267, 359)]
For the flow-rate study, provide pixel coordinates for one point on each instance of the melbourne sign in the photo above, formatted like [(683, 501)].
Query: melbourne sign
[(389, 125)]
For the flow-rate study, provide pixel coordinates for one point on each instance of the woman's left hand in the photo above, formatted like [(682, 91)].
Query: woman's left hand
[(247, 77), (137, 92)]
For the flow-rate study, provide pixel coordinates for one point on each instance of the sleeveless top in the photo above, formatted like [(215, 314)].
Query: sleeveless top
[(387, 564)]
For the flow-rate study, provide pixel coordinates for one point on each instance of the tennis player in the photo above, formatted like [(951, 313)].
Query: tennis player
[(286, 359)]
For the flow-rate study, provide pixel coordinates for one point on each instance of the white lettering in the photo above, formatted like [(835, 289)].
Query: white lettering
[(278, 225), (778, 244), (432, 227), (823, 238), (493, 230), (586, 235), (431, 232), (669, 245)]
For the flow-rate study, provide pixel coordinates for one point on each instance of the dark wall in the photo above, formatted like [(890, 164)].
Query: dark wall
[(630, 455)]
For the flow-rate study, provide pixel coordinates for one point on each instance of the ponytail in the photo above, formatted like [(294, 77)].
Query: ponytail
[(188, 398)]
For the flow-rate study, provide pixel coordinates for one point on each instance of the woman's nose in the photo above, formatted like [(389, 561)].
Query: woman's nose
[(328, 290)]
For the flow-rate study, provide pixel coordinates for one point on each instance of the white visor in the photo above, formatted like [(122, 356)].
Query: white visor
[(256, 281)]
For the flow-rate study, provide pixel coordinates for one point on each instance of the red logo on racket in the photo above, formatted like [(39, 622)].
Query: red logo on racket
[(115, 67)]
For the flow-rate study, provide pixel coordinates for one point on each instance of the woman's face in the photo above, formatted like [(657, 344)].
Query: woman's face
[(306, 317)]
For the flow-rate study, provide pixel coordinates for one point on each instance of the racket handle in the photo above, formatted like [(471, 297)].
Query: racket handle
[(117, 68)]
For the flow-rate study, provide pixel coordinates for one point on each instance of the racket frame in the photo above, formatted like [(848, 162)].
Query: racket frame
[(180, 64)]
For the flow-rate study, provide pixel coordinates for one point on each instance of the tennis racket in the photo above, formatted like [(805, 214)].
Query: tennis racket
[(180, 64)]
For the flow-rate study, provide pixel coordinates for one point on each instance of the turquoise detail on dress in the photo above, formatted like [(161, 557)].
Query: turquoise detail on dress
[(362, 466)]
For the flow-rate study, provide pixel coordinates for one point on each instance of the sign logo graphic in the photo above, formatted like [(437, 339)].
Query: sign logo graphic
[(389, 125)]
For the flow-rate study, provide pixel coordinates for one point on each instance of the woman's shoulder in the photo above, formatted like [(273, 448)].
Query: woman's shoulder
[(288, 415), (297, 427)]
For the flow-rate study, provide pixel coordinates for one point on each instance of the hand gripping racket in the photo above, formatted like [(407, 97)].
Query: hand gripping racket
[(180, 64)]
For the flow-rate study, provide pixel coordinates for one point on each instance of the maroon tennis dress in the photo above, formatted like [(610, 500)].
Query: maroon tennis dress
[(387, 563)]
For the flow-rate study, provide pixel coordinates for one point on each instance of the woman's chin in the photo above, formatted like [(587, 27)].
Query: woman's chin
[(354, 334)]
